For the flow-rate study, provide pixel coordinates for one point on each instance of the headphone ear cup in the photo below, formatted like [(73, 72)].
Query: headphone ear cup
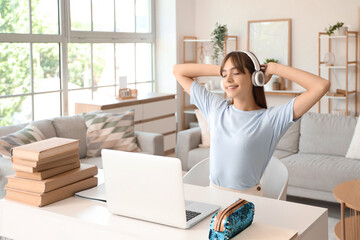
[(258, 79)]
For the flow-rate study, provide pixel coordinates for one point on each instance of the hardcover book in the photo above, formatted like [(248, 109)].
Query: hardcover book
[(50, 184), (42, 199), (46, 166), (47, 173), (45, 149)]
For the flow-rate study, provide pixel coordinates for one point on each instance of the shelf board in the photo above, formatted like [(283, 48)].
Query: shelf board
[(284, 92), (207, 40), (197, 40), (189, 112), (336, 36), (335, 97), (337, 67)]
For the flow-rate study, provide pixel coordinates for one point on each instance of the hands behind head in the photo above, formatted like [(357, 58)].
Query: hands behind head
[(264, 68)]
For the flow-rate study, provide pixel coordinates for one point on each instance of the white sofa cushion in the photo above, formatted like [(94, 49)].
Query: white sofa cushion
[(29, 134), (197, 155), (281, 154), (320, 172), (290, 141), (354, 148), (72, 127), (204, 126), (326, 133)]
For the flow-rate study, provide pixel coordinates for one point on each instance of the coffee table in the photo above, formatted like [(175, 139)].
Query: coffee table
[(348, 194)]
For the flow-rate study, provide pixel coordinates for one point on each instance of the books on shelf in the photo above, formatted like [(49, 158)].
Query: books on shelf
[(46, 150), (52, 183), (43, 199)]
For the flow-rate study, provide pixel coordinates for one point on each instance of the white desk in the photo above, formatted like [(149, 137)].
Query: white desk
[(77, 218)]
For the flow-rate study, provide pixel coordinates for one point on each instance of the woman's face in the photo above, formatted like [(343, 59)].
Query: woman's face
[(234, 82)]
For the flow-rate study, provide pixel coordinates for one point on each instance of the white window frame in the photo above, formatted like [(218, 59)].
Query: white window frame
[(65, 36)]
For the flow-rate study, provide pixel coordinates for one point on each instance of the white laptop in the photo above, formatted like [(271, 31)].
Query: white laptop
[(149, 188)]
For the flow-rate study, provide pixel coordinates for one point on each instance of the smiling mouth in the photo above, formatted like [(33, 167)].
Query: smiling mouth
[(231, 87)]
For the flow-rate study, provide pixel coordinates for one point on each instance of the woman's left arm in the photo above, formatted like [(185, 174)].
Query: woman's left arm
[(315, 86)]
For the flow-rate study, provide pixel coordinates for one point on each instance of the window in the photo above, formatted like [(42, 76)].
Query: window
[(54, 53)]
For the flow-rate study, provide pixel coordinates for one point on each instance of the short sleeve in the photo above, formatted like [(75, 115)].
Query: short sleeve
[(281, 118), (203, 99)]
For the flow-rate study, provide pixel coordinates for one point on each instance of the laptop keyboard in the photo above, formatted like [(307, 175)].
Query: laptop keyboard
[(190, 215)]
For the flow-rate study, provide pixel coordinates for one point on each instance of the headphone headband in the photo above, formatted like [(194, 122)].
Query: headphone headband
[(253, 59)]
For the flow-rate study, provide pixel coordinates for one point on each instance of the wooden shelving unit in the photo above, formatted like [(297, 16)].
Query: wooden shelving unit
[(190, 109), (349, 66)]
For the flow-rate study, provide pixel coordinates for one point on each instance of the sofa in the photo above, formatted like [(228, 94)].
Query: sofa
[(313, 149), (74, 127)]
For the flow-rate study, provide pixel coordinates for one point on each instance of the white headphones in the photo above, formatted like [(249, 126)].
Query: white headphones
[(257, 78)]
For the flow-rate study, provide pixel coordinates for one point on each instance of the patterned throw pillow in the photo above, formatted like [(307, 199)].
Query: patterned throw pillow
[(110, 131), (26, 135)]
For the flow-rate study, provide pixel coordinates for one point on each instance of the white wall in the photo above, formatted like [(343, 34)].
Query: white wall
[(166, 45), (308, 18)]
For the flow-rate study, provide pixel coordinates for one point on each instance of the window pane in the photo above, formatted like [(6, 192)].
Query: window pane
[(125, 15), (143, 62), (14, 68), (79, 64), (14, 16), (46, 105), (103, 64), (125, 61), (143, 16), (78, 96), (104, 92), (142, 88), (15, 110), (45, 17), (46, 67), (103, 15), (80, 15)]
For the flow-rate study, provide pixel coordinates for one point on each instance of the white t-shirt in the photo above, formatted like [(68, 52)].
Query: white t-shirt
[(242, 142)]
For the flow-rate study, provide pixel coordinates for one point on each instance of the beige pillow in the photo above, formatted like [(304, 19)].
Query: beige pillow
[(205, 134), (110, 131), (354, 148), (24, 136)]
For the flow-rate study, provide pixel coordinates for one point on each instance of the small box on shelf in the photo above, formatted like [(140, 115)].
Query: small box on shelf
[(127, 93)]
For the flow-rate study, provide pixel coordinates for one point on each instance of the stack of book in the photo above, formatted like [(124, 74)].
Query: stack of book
[(48, 171)]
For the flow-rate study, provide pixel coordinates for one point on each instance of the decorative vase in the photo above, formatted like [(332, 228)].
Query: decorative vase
[(208, 60), (329, 59), (341, 31)]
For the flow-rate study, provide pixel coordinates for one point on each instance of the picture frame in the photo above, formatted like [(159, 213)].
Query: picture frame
[(271, 39)]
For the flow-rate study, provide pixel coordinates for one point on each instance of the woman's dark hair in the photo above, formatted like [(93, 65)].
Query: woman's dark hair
[(241, 61)]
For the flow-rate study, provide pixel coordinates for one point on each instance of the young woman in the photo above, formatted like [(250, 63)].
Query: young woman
[(243, 132)]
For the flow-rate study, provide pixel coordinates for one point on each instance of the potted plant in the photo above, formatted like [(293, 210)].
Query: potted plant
[(274, 82), (339, 26), (218, 41)]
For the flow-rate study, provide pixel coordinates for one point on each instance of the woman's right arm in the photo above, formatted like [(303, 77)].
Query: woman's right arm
[(184, 73)]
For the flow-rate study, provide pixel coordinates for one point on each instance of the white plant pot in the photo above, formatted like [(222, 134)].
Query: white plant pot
[(341, 31), (209, 60), (268, 85)]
